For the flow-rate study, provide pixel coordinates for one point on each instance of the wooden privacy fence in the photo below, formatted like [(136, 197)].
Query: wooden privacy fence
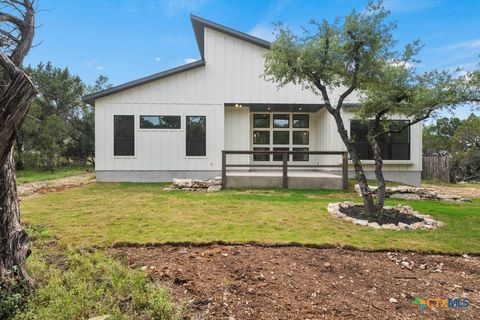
[(436, 168)]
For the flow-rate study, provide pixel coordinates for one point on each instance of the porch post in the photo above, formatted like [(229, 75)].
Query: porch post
[(285, 170), (224, 169), (345, 170)]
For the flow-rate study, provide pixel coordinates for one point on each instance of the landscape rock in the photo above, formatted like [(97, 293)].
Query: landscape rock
[(427, 221), (210, 185), (214, 188), (415, 193)]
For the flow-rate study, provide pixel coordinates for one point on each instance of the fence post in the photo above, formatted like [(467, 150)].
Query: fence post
[(345, 170), (224, 169), (285, 172)]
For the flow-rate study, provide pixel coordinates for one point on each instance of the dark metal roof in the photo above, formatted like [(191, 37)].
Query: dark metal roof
[(90, 99), (199, 25)]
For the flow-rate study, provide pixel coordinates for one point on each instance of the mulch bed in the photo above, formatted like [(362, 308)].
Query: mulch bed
[(387, 216), (255, 282)]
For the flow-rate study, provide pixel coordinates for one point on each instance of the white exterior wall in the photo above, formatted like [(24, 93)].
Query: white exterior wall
[(158, 149), (232, 74)]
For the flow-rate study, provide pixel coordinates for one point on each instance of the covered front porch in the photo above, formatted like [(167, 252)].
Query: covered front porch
[(282, 145)]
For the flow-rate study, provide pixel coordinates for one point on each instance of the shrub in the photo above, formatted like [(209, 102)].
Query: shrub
[(82, 284)]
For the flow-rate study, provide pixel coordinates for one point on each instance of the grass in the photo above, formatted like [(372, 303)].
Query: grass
[(104, 214), (80, 284), (37, 174)]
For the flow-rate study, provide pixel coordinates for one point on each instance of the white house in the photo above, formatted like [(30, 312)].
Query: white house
[(176, 123)]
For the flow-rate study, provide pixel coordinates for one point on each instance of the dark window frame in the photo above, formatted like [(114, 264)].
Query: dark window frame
[(263, 132), (116, 151), (187, 142), (387, 146), (296, 115), (179, 118), (279, 116), (259, 115)]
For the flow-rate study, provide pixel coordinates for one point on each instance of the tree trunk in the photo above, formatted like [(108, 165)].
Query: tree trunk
[(14, 242), (20, 163), (14, 101), (377, 156), (368, 203)]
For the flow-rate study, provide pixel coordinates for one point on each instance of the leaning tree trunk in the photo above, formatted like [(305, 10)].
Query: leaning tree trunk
[(377, 156), (15, 100), (368, 203), (14, 242)]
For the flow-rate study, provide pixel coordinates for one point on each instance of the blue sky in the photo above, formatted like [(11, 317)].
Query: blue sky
[(128, 39)]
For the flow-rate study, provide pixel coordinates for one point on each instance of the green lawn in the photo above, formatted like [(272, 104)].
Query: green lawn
[(37, 174), (104, 214)]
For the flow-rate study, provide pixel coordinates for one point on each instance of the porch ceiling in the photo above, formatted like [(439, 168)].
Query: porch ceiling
[(279, 107)]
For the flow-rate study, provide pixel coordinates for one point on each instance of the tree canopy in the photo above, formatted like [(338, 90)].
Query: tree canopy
[(357, 57)]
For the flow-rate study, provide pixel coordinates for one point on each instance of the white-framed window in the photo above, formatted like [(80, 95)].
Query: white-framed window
[(280, 131)]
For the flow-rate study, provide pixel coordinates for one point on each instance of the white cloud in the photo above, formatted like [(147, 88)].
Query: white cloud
[(174, 7), (189, 60), (408, 6), (157, 59), (470, 44), (262, 31), (100, 68)]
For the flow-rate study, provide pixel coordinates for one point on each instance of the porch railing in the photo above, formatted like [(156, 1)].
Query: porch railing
[(285, 165)]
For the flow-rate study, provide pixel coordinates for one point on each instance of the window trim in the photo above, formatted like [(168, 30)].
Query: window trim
[(206, 139), (159, 129), (134, 138)]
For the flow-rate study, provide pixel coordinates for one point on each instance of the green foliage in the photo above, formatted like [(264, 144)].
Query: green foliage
[(59, 127), (84, 284), (13, 293), (466, 147), (357, 55), (437, 137)]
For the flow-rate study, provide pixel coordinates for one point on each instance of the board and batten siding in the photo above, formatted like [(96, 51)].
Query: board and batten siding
[(158, 149)]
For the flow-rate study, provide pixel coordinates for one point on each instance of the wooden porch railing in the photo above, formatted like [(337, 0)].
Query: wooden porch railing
[(284, 165)]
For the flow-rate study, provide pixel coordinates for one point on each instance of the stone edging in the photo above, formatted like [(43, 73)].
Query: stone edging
[(427, 223)]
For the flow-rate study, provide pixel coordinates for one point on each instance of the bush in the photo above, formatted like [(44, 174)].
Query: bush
[(81, 284), (13, 293)]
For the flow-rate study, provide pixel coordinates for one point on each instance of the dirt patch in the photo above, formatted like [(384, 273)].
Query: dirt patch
[(387, 216), (31, 189), (466, 192), (252, 282)]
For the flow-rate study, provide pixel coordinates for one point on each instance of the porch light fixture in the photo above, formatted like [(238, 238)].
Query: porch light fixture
[(300, 109), (238, 105)]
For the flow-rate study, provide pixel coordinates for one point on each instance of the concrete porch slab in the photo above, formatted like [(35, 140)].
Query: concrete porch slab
[(273, 179)]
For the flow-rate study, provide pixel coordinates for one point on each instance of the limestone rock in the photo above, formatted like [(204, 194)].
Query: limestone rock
[(214, 188), (414, 193)]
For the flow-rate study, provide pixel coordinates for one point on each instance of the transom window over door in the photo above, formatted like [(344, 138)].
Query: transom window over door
[(123, 135), (196, 136), (280, 132)]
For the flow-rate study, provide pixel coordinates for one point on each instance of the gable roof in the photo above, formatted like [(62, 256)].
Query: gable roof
[(198, 25)]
